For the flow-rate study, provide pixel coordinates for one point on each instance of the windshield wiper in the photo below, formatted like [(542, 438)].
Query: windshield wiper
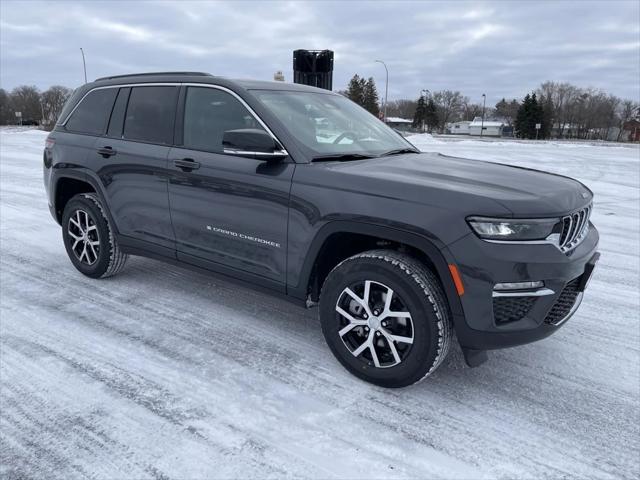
[(398, 151), (341, 157)]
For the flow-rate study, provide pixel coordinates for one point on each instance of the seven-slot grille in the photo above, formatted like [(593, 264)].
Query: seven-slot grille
[(574, 228)]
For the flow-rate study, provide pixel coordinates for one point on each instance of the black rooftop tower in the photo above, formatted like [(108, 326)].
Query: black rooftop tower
[(313, 67)]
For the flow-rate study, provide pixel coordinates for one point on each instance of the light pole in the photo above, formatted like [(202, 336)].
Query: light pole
[(424, 92), (84, 65), (386, 88), (484, 102)]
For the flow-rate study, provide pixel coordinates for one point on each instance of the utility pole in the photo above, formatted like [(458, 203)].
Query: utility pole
[(84, 65), (484, 101), (386, 88)]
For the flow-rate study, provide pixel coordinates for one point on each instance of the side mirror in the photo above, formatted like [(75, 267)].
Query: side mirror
[(252, 143)]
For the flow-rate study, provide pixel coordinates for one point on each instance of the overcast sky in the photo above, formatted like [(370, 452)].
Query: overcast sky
[(503, 48)]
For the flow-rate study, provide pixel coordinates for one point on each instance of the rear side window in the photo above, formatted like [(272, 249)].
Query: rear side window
[(92, 114), (208, 113), (150, 114), (117, 115)]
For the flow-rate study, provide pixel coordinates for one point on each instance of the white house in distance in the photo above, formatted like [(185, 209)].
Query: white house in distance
[(459, 128), (489, 128)]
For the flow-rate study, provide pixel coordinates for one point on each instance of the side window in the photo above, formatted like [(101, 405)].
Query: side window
[(92, 115), (208, 113), (117, 115), (150, 114)]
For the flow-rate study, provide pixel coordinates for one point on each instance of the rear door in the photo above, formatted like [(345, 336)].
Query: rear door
[(226, 209), (87, 121), (132, 163)]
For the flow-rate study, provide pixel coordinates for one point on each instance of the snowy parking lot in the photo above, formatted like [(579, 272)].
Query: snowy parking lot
[(162, 373)]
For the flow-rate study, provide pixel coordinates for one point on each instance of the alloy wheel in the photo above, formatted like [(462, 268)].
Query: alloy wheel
[(84, 234), (375, 324)]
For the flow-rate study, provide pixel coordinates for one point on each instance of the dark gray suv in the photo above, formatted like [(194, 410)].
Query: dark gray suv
[(301, 192)]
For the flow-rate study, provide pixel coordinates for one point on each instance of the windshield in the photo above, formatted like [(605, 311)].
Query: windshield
[(331, 125)]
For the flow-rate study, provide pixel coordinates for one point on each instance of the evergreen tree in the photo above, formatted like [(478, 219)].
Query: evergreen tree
[(426, 114), (431, 114), (419, 115), (529, 114), (547, 117), (521, 118), (370, 97), (355, 89)]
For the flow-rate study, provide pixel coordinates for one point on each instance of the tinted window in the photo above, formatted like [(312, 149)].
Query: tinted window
[(92, 114), (330, 124), (208, 113), (117, 115), (150, 114)]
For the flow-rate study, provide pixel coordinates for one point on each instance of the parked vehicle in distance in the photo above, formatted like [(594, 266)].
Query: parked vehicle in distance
[(301, 192)]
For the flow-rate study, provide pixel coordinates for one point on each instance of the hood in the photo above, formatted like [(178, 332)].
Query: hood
[(472, 185)]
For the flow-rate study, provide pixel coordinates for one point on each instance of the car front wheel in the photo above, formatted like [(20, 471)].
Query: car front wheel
[(385, 318)]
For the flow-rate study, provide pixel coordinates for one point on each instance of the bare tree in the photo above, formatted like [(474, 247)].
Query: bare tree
[(449, 106), (26, 99), (401, 108), (507, 110), (472, 110), (5, 109), (52, 102)]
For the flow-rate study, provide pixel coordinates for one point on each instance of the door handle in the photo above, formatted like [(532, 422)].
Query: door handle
[(106, 152), (186, 164)]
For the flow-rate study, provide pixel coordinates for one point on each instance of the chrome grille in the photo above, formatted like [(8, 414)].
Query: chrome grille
[(574, 228)]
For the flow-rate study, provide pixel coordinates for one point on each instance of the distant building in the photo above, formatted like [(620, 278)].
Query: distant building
[(631, 130), (278, 76), (402, 124), (564, 130), (459, 128), (489, 128)]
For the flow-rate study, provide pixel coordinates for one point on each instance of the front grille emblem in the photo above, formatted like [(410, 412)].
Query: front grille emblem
[(574, 228)]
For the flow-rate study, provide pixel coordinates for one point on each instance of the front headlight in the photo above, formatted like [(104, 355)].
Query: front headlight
[(515, 229)]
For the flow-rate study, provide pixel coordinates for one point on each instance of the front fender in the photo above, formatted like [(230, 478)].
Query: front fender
[(429, 245)]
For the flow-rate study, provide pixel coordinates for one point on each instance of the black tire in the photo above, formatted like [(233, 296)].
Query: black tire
[(415, 289), (96, 254)]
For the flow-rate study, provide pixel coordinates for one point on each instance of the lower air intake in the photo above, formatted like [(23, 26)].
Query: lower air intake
[(564, 304)]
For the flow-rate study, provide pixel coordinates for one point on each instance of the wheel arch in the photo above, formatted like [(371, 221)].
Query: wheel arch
[(338, 240), (73, 182)]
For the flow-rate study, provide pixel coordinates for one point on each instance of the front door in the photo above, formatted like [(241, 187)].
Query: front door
[(228, 210)]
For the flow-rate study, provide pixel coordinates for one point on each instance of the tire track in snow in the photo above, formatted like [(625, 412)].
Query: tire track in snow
[(165, 373)]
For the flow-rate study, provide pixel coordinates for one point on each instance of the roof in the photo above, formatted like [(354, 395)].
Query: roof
[(398, 120), (477, 122), (201, 77), (151, 74), (249, 84)]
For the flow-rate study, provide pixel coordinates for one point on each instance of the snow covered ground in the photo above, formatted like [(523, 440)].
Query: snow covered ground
[(164, 373)]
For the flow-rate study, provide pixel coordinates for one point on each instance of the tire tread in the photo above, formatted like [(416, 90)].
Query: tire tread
[(117, 259), (428, 283)]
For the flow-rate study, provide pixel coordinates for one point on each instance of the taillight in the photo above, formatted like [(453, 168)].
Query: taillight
[(47, 155)]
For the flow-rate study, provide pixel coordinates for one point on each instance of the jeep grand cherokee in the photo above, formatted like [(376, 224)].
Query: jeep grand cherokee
[(301, 192)]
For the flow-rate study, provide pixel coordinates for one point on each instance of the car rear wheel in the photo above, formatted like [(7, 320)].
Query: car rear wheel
[(385, 318), (88, 238)]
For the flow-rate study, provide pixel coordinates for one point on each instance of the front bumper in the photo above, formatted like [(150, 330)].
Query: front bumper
[(482, 265)]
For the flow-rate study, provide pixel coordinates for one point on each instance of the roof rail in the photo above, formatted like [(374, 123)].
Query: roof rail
[(153, 74)]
